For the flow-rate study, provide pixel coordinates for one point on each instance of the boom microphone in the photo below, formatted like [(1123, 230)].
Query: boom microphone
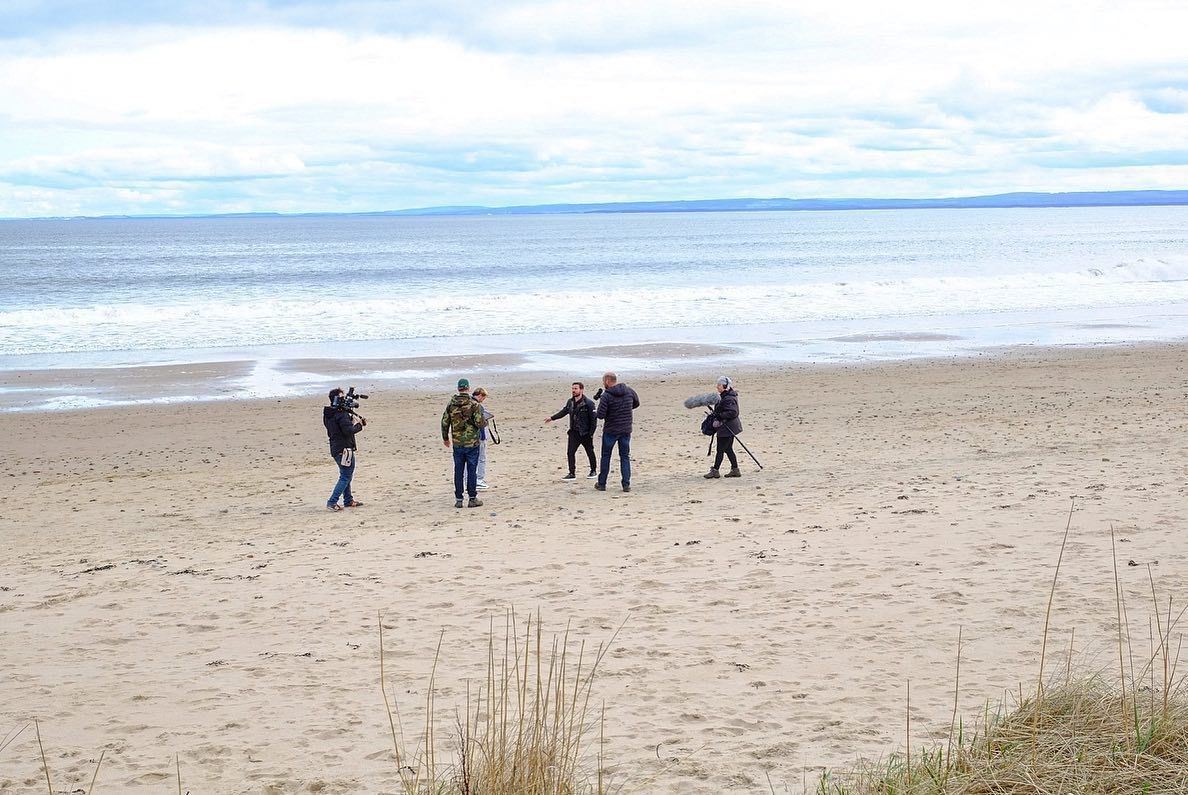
[(700, 401)]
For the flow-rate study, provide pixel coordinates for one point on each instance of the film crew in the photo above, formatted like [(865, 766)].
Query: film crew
[(339, 419), (480, 395), (727, 425), (460, 425), (582, 423), (616, 408)]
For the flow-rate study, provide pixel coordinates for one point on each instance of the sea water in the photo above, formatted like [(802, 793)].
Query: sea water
[(787, 285)]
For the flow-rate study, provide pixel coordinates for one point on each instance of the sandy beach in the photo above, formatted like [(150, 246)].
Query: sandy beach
[(173, 588)]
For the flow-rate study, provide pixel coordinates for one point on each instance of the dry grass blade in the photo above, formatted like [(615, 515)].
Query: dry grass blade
[(384, 690), (10, 738), (44, 764), (98, 765)]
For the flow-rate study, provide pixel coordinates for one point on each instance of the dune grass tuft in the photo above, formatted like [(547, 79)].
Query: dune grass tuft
[(1122, 733), (1082, 736), (525, 729)]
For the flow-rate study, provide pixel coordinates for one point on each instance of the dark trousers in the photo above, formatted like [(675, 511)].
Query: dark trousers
[(575, 442), (726, 448), (466, 460), (609, 440)]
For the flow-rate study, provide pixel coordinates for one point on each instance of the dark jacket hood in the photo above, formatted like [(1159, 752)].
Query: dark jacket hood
[(618, 390)]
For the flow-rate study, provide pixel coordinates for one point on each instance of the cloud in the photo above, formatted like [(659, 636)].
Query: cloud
[(368, 105)]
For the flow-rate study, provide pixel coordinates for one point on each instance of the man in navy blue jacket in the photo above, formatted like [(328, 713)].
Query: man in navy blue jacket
[(341, 429), (615, 409)]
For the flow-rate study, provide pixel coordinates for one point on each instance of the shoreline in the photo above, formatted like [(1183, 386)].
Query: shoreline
[(85, 388)]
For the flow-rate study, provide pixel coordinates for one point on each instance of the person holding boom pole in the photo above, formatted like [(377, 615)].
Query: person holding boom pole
[(727, 425)]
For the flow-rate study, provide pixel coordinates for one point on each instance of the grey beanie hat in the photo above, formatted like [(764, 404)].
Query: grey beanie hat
[(725, 381)]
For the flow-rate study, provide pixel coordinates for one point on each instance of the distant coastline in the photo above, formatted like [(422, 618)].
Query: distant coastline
[(1124, 198)]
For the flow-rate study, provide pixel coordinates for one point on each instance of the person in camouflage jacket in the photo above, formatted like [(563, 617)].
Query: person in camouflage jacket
[(461, 424)]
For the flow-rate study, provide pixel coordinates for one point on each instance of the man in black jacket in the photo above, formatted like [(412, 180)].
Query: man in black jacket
[(615, 408), (341, 429), (582, 423)]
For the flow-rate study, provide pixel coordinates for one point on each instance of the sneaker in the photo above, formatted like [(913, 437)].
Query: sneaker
[(593, 474), (482, 485), (600, 487), (626, 487), (733, 473), (570, 476), (475, 502), (713, 473), (457, 503), (352, 504), (333, 507)]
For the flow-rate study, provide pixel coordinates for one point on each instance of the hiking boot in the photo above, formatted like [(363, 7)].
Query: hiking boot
[(570, 476), (600, 487), (457, 503), (713, 473), (593, 474), (626, 487), (474, 503), (733, 473)]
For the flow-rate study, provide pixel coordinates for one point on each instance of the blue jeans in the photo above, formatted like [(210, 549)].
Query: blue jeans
[(466, 459), (609, 441), (343, 487)]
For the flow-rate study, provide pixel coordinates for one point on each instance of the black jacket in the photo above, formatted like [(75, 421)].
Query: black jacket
[(340, 429), (615, 408), (581, 416), (726, 412)]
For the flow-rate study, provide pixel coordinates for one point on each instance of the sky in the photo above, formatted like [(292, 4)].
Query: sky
[(171, 106)]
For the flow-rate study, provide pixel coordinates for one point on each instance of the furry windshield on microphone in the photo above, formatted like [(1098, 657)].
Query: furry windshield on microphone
[(697, 401)]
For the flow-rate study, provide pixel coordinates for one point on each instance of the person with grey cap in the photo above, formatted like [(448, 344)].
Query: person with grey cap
[(728, 425), (461, 425)]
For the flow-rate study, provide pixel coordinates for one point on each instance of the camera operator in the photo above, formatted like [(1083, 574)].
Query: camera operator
[(341, 429)]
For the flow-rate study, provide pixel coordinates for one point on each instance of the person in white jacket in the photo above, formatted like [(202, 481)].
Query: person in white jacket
[(480, 395)]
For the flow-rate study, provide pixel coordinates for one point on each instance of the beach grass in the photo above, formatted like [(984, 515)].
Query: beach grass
[(527, 728), (1122, 732), (1082, 736)]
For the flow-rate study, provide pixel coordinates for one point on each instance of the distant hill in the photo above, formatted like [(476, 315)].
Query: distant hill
[(1114, 198), (1085, 199)]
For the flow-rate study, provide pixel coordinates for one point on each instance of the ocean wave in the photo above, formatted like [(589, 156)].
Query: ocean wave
[(420, 314)]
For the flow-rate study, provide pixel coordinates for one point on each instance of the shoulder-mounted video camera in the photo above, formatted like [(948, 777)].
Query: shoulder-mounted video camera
[(349, 400)]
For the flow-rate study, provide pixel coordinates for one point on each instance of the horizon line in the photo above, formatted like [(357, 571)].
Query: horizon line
[(1015, 199)]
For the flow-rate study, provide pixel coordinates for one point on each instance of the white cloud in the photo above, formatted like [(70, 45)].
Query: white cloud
[(558, 101)]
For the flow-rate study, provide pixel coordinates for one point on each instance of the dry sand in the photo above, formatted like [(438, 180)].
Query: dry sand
[(172, 583)]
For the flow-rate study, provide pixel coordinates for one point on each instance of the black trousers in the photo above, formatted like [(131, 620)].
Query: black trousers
[(575, 442), (726, 448)]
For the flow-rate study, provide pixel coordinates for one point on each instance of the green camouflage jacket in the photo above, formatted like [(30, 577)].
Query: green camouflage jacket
[(462, 420)]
